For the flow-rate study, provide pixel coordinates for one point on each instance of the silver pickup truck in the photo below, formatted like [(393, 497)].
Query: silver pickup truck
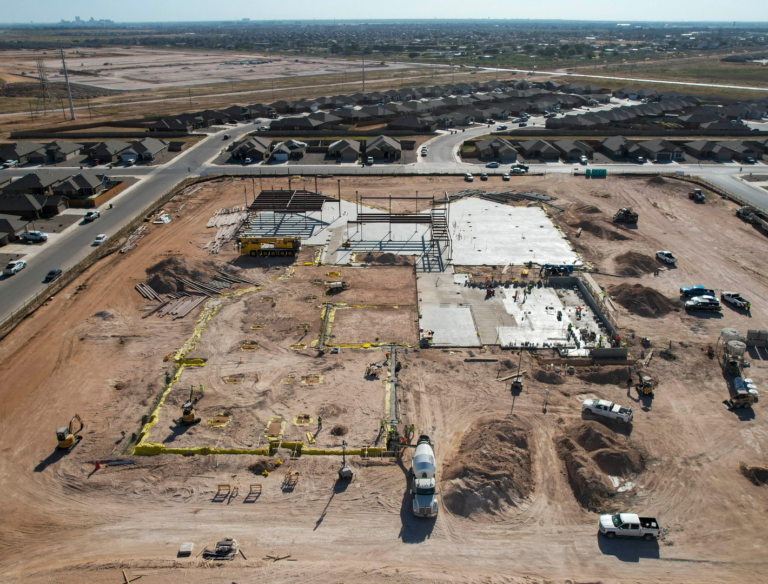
[(629, 525)]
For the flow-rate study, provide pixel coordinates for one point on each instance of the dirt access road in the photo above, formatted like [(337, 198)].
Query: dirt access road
[(88, 351)]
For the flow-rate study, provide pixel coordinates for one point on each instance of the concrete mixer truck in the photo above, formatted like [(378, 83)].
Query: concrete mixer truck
[(423, 484)]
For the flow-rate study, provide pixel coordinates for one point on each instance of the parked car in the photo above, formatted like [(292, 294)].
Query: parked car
[(584, 160), (34, 237), (706, 303), (91, 215), (736, 299), (518, 170), (483, 176), (521, 165), (264, 128), (748, 160), (505, 176), (502, 127), (689, 291), (666, 257), (13, 267), (52, 275), (100, 239), (272, 116), (629, 525), (601, 407), (640, 159), (492, 165), (247, 161), (424, 151), (522, 125), (10, 163), (468, 177), (369, 160)]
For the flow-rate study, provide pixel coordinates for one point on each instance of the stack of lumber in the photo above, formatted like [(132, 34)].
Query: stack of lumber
[(134, 239), (147, 292)]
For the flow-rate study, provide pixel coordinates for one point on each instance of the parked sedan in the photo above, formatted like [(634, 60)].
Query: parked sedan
[(483, 176), (492, 165), (505, 176), (518, 171), (666, 257), (468, 177), (52, 275), (708, 303), (14, 267)]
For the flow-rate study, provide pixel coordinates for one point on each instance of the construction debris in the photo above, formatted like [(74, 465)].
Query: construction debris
[(134, 239), (226, 217), (164, 218), (225, 550), (147, 292), (499, 196)]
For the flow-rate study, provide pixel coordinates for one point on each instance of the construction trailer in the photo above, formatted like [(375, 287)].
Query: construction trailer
[(270, 246)]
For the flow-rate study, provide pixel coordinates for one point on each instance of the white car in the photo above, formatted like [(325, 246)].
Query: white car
[(584, 160), (666, 257), (91, 215), (735, 298), (100, 239), (468, 177), (608, 409), (34, 237), (13, 267)]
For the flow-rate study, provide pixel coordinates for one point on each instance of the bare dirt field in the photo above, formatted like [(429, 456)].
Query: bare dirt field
[(523, 475), (146, 70)]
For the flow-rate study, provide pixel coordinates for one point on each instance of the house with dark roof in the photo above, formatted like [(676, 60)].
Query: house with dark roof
[(24, 152), (741, 148), (326, 119), (61, 150), (497, 149), (378, 111), (255, 148), (11, 228), (81, 185), (573, 149), (172, 124), (26, 207), (709, 150), (303, 123), (617, 146), (108, 151), (660, 150), (413, 124), (352, 116), (35, 183), (149, 148), (539, 149), (289, 150), (345, 150), (383, 148)]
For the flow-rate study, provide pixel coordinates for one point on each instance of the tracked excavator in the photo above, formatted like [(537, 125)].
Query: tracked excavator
[(188, 408), (67, 436), (626, 215)]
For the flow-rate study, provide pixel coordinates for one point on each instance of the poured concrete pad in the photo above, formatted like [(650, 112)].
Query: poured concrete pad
[(490, 234), (453, 325)]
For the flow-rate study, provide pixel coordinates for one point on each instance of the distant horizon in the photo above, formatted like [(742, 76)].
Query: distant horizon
[(746, 13)]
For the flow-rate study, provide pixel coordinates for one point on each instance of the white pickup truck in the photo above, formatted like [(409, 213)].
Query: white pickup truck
[(629, 525), (608, 409)]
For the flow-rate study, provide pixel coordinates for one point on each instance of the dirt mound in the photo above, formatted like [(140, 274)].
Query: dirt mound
[(23, 89), (162, 276), (549, 377), (492, 469), (657, 180), (756, 474), (641, 300), (258, 467), (599, 231), (339, 431), (585, 208), (634, 265), (606, 376), (386, 259), (596, 459)]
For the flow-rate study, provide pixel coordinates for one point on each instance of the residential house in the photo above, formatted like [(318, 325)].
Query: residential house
[(129, 156), (742, 149), (81, 185), (709, 150), (11, 228), (26, 207), (238, 113), (35, 183), (61, 150), (539, 149), (149, 148), (573, 149), (378, 111), (346, 150), (289, 150), (383, 148), (617, 146), (257, 149), (660, 150), (412, 123), (326, 120), (304, 123), (172, 124), (497, 149), (352, 116), (719, 126), (24, 152), (108, 151)]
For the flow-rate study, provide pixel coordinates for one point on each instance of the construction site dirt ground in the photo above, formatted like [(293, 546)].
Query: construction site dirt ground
[(523, 475)]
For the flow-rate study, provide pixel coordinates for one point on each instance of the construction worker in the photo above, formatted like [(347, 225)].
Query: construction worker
[(319, 423), (749, 306)]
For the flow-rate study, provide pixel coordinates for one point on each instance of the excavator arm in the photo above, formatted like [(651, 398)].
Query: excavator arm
[(79, 420)]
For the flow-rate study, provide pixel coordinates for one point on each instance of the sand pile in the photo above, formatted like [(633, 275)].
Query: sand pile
[(657, 180), (597, 459), (585, 208), (642, 301), (386, 259), (599, 231), (551, 377), (606, 376), (756, 474), (634, 265), (491, 472)]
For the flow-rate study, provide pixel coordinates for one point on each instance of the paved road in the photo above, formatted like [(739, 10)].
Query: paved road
[(156, 181)]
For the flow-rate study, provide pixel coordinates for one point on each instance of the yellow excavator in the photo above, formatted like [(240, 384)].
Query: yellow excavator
[(188, 408), (67, 436)]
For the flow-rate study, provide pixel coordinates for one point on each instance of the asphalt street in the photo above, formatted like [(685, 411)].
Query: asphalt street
[(156, 181)]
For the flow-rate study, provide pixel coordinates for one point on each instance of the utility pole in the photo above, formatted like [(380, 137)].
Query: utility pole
[(88, 101), (69, 91), (363, 68), (273, 90), (190, 96)]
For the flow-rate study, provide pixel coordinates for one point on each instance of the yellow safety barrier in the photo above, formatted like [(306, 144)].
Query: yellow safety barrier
[(310, 438)]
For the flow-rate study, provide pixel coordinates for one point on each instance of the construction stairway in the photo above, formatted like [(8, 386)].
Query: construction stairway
[(434, 258)]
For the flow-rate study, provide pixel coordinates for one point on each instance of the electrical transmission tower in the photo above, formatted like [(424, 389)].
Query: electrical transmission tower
[(45, 97)]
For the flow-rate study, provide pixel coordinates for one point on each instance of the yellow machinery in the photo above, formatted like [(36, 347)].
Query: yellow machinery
[(188, 408), (67, 436), (270, 246)]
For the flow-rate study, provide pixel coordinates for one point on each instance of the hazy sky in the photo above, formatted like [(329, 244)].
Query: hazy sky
[(25, 11)]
